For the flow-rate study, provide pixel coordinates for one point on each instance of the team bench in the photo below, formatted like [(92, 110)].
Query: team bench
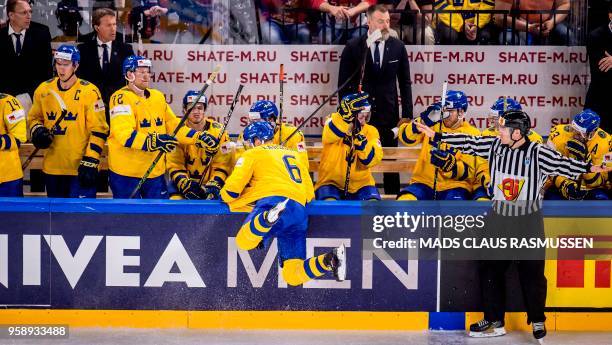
[(396, 159)]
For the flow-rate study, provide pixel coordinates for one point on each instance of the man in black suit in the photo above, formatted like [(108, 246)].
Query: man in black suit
[(386, 65), (25, 52), (599, 48), (103, 55)]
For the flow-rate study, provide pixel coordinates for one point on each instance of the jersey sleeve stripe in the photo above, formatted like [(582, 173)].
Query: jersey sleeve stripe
[(130, 141), (369, 158), (336, 130)]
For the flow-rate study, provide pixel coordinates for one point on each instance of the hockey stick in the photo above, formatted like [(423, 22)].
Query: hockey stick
[(375, 36), (209, 82), (435, 182), (227, 120), (62, 105), (280, 113), (348, 80)]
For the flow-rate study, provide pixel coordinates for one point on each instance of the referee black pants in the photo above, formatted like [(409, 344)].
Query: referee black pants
[(530, 264), (493, 288)]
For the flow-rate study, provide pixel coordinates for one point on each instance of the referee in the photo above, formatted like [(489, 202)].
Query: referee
[(518, 168)]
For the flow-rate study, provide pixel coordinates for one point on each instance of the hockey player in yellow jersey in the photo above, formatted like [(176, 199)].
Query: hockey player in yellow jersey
[(75, 144), (141, 126), (481, 178), (582, 140), (271, 183), (187, 163), (12, 134), (343, 144), (455, 169), (265, 110)]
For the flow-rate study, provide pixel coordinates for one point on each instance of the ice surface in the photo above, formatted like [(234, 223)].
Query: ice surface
[(120, 336)]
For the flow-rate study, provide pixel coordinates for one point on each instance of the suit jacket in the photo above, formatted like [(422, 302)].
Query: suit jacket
[(90, 68), (23, 73), (380, 84)]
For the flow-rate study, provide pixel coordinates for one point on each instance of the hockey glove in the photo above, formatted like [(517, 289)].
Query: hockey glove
[(41, 137), (432, 114), (208, 142), (351, 104), (213, 190), (444, 160), (360, 141), (88, 172), (576, 149), (159, 142), (569, 189), (190, 189)]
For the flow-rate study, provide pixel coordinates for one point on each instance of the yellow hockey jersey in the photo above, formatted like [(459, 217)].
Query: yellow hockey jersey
[(190, 160), (597, 148), (264, 171), (457, 20), (336, 146), (296, 142), (482, 176), (132, 118), (424, 171), (12, 134), (82, 132)]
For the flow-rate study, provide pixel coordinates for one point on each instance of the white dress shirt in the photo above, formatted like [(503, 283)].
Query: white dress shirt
[(109, 47), (381, 50), (14, 37)]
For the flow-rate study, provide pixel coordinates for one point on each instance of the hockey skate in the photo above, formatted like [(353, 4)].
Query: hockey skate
[(275, 212), (485, 329), (337, 261), (539, 331)]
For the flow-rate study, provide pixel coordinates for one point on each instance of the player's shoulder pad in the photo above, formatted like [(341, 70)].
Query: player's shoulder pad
[(84, 82), (49, 81), (156, 93), (602, 134), (567, 128)]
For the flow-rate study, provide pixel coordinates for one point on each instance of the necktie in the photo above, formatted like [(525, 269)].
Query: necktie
[(17, 43), (377, 55), (105, 57)]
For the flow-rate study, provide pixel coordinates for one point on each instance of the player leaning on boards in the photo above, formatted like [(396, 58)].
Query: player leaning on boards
[(583, 140), (276, 182), (187, 163), (349, 139), (453, 177), (265, 110), (12, 134), (518, 168), (482, 176), (140, 122), (75, 144)]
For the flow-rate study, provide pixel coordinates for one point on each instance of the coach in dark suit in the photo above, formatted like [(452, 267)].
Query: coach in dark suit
[(386, 65), (25, 51), (103, 55)]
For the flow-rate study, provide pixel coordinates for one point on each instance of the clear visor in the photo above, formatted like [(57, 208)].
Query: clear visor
[(254, 116), (582, 132)]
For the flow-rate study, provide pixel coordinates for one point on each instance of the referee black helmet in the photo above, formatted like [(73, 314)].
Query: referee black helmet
[(516, 119)]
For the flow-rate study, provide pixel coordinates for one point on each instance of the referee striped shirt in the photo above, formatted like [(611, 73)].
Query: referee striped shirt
[(517, 175)]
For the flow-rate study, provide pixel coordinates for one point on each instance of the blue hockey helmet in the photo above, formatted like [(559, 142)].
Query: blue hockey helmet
[(263, 110), (456, 100), (191, 96), (134, 61), (67, 52), (586, 122), (504, 104), (262, 130)]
